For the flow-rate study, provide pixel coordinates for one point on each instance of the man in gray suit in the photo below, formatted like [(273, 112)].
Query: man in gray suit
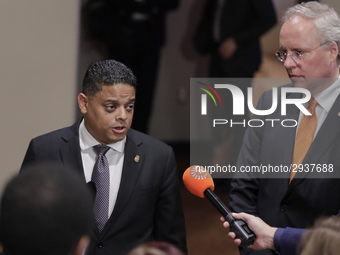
[(309, 48), (143, 200)]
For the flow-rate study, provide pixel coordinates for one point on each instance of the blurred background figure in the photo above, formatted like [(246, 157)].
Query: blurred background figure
[(156, 248), (47, 211), (132, 32), (229, 32)]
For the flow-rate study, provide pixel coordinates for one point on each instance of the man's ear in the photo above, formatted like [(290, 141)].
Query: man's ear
[(82, 102), (334, 50), (82, 244)]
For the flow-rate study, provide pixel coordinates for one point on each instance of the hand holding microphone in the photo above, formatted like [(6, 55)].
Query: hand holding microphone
[(200, 183), (264, 233)]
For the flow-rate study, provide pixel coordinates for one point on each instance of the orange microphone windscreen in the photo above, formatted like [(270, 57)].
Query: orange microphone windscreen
[(196, 179)]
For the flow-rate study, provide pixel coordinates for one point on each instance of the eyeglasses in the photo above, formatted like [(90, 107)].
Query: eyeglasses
[(296, 56)]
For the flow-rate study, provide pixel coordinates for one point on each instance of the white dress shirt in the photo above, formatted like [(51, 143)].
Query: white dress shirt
[(115, 157), (325, 99)]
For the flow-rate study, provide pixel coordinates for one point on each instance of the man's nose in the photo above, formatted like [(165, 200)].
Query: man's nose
[(290, 62), (121, 113)]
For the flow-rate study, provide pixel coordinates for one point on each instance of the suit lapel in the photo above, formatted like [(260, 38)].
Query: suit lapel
[(70, 150), (330, 128), (288, 132), (133, 161)]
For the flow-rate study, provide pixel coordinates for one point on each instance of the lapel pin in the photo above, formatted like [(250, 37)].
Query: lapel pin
[(137, 158)]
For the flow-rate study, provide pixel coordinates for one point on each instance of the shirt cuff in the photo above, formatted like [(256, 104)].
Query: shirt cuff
[(286, 240), (277, 237)]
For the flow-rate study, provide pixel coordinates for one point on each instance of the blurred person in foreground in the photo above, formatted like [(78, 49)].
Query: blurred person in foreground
[(45, 210), (322, 238), (155, 248)]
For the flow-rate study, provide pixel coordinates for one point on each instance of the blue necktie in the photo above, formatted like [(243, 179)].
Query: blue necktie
[(101, 178)]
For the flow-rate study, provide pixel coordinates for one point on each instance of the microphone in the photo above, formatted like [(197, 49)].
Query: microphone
[(200, 183)]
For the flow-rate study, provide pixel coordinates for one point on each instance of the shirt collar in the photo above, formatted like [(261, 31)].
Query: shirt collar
[(327, 97), (86, 140)]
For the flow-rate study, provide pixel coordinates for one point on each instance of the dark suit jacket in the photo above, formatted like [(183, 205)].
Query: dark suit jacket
[(273, 199), (148, 205), (245, 21)]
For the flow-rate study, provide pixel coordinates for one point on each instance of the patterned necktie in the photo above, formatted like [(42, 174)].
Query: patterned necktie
[(304, 136), (101, 178)]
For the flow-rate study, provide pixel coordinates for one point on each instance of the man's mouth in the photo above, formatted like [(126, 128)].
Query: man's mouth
[(295, 76), (119, 129)]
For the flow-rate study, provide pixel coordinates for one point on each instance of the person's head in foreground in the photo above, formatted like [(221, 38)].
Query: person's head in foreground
[(155, 248), (322, 238), (45, 211)]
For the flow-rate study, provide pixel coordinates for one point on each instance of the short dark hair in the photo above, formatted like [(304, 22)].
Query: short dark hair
[(44, 210), (106, 72)]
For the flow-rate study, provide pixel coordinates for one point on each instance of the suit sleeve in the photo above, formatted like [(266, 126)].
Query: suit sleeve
[(244, 186), (169, 217)]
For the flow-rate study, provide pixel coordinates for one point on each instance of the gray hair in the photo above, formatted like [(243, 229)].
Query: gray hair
[(326, 20)]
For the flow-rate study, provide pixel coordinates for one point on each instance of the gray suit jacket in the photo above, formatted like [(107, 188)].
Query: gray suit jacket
[(148, 205), (273, 199)]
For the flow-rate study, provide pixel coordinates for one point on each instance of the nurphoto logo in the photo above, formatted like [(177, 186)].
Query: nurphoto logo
[(216, 92), (238, 99)]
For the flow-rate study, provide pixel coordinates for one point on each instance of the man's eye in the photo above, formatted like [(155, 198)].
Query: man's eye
[(130, 107), (283, 54), (110, 107), (298, 53)]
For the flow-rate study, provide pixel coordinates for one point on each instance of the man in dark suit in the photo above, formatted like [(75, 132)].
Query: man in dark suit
[(309, 48), (143, 199)]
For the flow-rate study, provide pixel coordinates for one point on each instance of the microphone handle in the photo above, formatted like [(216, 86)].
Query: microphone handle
[(219, 205), (239, 227)]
